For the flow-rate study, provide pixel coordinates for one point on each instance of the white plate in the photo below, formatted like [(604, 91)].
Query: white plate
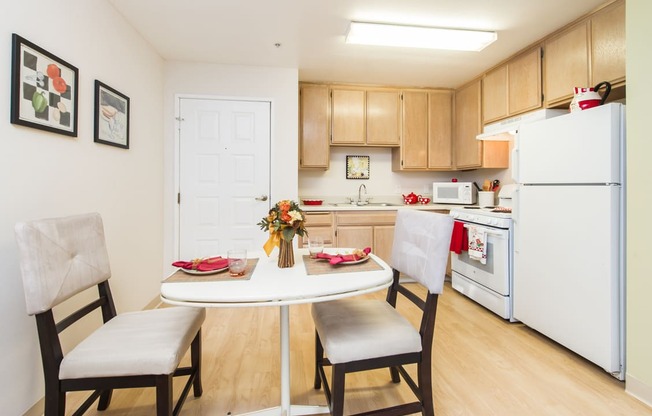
[(354, 261), (201, 273)]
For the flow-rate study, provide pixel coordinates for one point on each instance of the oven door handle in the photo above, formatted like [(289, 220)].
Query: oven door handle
[(486, 230)]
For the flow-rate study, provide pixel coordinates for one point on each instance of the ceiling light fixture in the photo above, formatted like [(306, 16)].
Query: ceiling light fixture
[(382, 34)]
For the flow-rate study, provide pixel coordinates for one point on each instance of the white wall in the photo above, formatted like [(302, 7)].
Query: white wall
[(639, 228), (278, 85), (46, 175), (332, 185)]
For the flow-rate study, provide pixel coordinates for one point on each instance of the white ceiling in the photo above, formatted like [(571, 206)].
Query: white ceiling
[(311, 34)]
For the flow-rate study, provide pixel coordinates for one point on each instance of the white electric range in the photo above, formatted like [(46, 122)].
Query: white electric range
[(489, 284)]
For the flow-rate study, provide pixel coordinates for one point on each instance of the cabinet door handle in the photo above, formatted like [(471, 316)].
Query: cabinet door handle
[(261, 198)]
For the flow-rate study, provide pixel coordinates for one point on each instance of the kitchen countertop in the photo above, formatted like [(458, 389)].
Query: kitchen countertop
[(329, 206)]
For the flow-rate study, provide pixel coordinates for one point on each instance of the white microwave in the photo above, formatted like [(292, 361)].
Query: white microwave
[(454, 193)]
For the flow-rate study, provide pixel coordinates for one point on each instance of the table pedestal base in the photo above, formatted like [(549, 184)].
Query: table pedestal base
[(287, 409)]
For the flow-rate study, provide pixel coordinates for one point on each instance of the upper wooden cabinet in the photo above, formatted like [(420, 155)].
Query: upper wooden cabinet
[(468, 150), (512, 88), (427, 131), (525, 82), (348, 116), (365, 117), (314, 144), (585, 54), (566, 63), (608, 45), (383, 117), (440, 130), (494, 94), (471, 153), (414, 146)]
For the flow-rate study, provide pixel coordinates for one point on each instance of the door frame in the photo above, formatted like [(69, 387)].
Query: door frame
[(177, 152)]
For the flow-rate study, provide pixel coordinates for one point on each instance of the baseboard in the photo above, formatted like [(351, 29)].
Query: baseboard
[(638, 389), (153, 304), (37, 410)]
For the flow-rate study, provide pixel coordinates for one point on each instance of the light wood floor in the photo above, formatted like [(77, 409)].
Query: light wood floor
[(482, 365)]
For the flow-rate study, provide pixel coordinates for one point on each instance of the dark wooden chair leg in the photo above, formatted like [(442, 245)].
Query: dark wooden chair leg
[(195, 358), (337, 385), (424, 375), (105, 400), (319, 358), (396, 378), (55, 403), (164, 395)]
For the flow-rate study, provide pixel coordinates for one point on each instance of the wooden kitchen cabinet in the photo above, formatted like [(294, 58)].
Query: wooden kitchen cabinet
[(427, 131), (566, 63), (319, 223), (383, 118), (365, 116), (512, 88), (360, 229), (471, 153), (468, 150), (414, 143), (314, 128), (524, 84), (494, 95), (348, 116), (608, 50), (586, 54), (440, 130)]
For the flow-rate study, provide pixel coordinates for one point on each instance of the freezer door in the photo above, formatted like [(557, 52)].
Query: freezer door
[(567, 268), (578, 148)]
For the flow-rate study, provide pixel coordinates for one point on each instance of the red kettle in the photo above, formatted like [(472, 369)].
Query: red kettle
[(411, 198)]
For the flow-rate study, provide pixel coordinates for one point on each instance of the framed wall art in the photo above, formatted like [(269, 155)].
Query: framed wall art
[(43, 89), (111, 116), (357, 167)]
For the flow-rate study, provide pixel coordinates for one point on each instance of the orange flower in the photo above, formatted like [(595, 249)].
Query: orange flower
[(284, 206), (286, 217)]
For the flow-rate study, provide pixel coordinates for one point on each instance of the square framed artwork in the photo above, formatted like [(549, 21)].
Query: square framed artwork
[(357, 167), (111, 116), (43, 89)]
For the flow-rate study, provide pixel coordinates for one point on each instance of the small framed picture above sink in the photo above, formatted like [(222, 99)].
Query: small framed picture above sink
[(357, 167)]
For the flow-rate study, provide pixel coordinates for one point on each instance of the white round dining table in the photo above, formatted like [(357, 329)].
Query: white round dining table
[(270, 285)]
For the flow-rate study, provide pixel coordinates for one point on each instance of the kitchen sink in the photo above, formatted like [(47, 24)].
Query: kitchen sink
[(370, 204)]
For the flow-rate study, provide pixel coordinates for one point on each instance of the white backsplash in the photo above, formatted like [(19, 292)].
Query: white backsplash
[(332, 185)]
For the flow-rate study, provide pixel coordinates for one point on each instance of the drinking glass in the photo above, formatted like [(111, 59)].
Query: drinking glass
[(315, 246), (237, 262)]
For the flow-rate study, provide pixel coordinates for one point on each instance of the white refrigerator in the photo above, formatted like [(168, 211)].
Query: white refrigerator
[(569, 225)]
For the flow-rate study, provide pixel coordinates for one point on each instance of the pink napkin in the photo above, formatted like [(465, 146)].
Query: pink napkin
[(339, 258), (204, 265)]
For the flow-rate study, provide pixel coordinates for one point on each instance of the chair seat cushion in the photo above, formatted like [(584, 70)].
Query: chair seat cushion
[(352, 329), (135, 343)]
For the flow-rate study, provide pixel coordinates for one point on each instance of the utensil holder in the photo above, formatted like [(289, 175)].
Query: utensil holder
[(486, 198)]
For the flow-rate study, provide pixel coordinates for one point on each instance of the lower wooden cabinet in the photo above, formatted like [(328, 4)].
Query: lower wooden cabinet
[(319, 224), (356, 229), (360, 229)]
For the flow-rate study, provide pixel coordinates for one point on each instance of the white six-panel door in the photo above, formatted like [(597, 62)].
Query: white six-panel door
[(224, 175)]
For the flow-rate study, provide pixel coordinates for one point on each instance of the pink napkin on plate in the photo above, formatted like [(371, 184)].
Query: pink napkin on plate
[(339, 258), (203, 265)]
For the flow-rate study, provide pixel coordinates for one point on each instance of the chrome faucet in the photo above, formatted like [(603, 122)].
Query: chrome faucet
[(360, 202)]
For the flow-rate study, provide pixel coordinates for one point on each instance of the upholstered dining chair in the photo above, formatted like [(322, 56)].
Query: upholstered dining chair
[(364, 334), (61, 257)]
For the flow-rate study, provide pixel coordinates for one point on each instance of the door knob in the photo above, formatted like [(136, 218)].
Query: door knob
[(261, 198)]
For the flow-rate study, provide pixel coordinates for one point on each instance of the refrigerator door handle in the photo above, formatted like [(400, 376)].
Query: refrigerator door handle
[(515, 162)]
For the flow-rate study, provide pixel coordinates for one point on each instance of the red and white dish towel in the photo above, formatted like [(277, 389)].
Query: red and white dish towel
[(478, 244)]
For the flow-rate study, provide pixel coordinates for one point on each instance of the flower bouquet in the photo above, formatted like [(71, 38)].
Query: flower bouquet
[(284, 221)]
